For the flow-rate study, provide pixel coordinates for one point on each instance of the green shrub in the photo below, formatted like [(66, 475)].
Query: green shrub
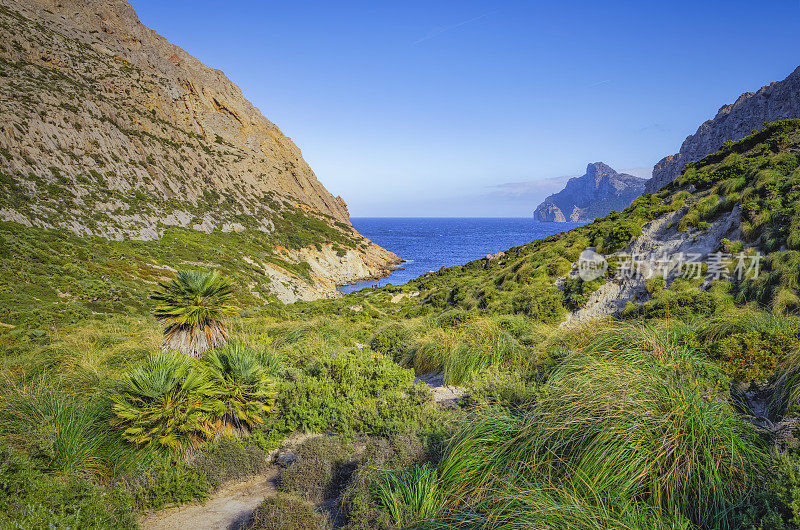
[(30, 498), (317, 473), (193, 305), (747, 356), (167, 482), (390, 341), (674, 304), (576, 291), (787, 483), (542, 303), (229, 459), (167, 402), (350, 392), (655, 285), (287, 512)]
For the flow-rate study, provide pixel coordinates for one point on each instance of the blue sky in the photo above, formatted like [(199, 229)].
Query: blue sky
[(477, 108)]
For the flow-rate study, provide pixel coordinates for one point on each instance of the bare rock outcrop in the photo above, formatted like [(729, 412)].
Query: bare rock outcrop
[(750, 112), (108, 129), (660, 239), (595, 194)]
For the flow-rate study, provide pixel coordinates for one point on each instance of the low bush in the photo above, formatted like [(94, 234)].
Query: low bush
[(30, 498), (318, 472), (229, 459), (287, 512), (390, 341), (167, 482), (357, 391)]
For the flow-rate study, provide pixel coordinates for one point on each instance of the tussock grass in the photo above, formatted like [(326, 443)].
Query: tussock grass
[(410, 495), (631, 429), (473, 346), (69, 432), (745, 320)]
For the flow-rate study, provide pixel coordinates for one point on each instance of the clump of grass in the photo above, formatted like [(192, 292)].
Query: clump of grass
[(68, 433), (629, 421), (410, 495), (464, 351), (32, 498), (563, 506)]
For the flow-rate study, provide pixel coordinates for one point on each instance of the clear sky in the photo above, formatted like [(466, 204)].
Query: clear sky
[(479, 108)]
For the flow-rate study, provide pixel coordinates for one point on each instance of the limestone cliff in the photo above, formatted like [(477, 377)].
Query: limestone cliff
[(777, 101), (595, 194), (107, 129)]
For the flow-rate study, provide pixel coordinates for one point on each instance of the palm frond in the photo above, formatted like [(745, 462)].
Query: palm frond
[(193, 305)]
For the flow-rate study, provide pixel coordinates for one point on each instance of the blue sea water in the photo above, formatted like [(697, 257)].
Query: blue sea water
[(429, 243)]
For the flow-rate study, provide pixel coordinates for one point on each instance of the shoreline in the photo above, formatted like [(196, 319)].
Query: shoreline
[(382, 273)]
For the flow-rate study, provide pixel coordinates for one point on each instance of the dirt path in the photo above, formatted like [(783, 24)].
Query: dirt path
[(229, 508), (442, 394)]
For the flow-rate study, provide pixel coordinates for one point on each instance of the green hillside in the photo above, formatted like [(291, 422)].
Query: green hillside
[(53, 277), (678, 413)]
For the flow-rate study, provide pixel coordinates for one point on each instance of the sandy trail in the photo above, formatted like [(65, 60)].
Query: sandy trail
[(228, 508)]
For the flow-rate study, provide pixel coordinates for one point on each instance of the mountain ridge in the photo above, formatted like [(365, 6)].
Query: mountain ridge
[(110, 130), (595, 194), (779, 100)]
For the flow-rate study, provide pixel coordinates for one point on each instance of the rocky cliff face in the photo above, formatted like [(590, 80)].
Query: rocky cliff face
[(108, 129), (778, 101), (596, 194)]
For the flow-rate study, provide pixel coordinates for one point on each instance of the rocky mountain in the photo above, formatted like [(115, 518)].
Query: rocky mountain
[(750, 112), (109, 130), (595, 194)]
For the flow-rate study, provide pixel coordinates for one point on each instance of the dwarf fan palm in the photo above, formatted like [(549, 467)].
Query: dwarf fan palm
[(243, 382), (167, 402), (193, 305)]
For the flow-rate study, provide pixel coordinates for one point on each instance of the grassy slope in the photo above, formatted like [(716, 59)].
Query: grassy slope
[(52, 277), (657, 441), (759, 174)]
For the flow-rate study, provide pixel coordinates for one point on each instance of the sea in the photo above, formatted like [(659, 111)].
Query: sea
[(430, 243)]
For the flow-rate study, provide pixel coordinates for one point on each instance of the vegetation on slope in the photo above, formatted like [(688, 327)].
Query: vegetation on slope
[(680, 413), (758, 175), (54, 277)]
